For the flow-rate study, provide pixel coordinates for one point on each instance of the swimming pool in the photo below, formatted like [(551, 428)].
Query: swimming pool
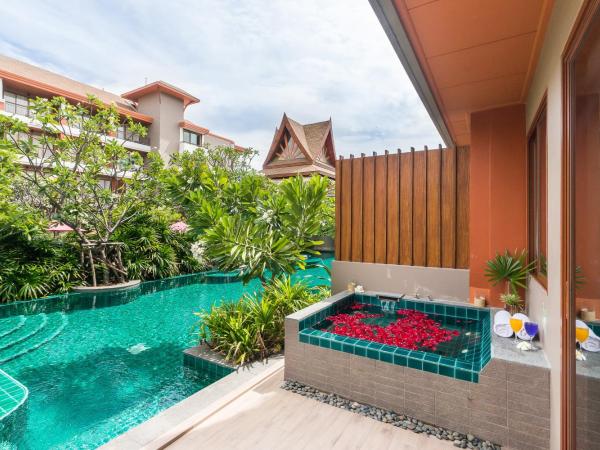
[(97, 365)]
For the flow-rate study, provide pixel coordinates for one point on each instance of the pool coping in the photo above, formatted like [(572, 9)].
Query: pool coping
[(168, 425)]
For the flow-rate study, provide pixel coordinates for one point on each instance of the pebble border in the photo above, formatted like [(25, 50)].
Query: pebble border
[(398, 420)]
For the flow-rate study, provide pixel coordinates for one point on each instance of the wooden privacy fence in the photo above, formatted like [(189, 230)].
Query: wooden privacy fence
[(408, 208)]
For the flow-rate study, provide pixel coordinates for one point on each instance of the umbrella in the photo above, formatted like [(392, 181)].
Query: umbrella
[(59, 228)]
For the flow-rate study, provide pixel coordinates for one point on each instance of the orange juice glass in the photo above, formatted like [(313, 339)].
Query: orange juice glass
[(581, 334), (516, 325)]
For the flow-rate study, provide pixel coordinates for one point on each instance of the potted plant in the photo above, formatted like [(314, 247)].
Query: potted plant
[(512, 302), (511, 269)]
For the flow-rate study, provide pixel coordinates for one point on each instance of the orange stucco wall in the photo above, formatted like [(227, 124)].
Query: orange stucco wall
[(497, 191)]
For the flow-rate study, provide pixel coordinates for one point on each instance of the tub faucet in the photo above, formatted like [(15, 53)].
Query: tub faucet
[(429, 298)]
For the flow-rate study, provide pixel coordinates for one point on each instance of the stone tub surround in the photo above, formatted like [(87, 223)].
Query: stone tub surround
[(466, 367), (440, 283), (510, 405)]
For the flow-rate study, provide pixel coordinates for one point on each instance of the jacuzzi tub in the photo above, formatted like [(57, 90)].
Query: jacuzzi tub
[(463, 356)]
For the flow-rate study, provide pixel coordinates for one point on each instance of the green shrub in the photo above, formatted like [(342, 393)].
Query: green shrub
[(152, 251), (32, 263), (253, 327)]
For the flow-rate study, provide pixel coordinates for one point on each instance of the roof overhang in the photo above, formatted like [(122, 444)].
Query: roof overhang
[(193, 127), (161, 86), (464, 56), (394, 29), (46, 89)]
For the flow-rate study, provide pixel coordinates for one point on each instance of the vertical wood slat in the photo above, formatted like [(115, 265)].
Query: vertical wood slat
[(338, 209), (434, 226), (420, 208), (380, 208), (406, 208), (357, 209), (346, 202), (393, 209), (369, 210), (462, 207), (449, 207)]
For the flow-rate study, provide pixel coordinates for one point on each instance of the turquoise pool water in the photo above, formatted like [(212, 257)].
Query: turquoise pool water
[(97, 365)]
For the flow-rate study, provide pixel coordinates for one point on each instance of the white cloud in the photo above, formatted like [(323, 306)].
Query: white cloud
[(247, 61)]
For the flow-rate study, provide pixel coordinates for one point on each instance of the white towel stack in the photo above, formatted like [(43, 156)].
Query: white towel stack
[(502, 324)]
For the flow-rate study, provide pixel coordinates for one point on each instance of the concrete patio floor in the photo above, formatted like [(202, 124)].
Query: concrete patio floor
[(267, 417)]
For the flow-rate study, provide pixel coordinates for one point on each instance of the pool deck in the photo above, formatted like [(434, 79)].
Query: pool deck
[(266, 416)]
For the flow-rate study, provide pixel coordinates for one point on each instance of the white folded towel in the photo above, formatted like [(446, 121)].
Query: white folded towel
[(502, 324), (592, 343)]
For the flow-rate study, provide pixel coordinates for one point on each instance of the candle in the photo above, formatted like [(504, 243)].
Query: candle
[(479, 301)]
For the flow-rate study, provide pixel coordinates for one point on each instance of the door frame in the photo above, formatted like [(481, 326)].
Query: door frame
[(587, 13)]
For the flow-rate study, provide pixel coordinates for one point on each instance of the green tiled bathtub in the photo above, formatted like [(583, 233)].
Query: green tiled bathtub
[(460, 363)]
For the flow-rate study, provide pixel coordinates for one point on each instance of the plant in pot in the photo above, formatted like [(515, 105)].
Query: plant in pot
[(512, 302), (511, 269)]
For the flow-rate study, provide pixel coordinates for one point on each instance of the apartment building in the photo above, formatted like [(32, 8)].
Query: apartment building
[(159, 106)]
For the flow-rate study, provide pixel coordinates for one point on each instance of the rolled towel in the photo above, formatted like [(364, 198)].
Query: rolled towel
[(502, 324), (592, 343)]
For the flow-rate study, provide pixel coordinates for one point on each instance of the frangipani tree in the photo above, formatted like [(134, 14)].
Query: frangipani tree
[(245, 221), (85, 177)]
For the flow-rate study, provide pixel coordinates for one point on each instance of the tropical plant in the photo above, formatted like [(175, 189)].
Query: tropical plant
[(152, 250), (32, 264), (245, 221), (273, 237), (69, 169), (253, 327), (512, 269), (512, 301)]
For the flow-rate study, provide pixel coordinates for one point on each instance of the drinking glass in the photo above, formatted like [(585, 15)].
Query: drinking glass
[(581, 335), (531, 328), (516, 325)]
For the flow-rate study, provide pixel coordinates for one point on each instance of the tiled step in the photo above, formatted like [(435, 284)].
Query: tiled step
[(32, 326), (12, 394), (10, 325), (54, 325)]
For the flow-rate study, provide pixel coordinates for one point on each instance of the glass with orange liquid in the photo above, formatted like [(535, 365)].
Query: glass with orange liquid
[(581, 335), (516, 325)]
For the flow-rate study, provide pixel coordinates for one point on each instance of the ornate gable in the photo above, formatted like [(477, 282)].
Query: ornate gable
[(287, 148), (301, 149)]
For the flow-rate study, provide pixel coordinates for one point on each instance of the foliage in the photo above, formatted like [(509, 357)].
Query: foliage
[(246, 221), (33, 264), (152, 250), (240, 220), (274, 237), (512, 300), (509, 268), (253, 327), (327, 226), (71, 164)]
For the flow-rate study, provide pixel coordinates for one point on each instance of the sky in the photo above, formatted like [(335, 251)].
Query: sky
[(249, 61)]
